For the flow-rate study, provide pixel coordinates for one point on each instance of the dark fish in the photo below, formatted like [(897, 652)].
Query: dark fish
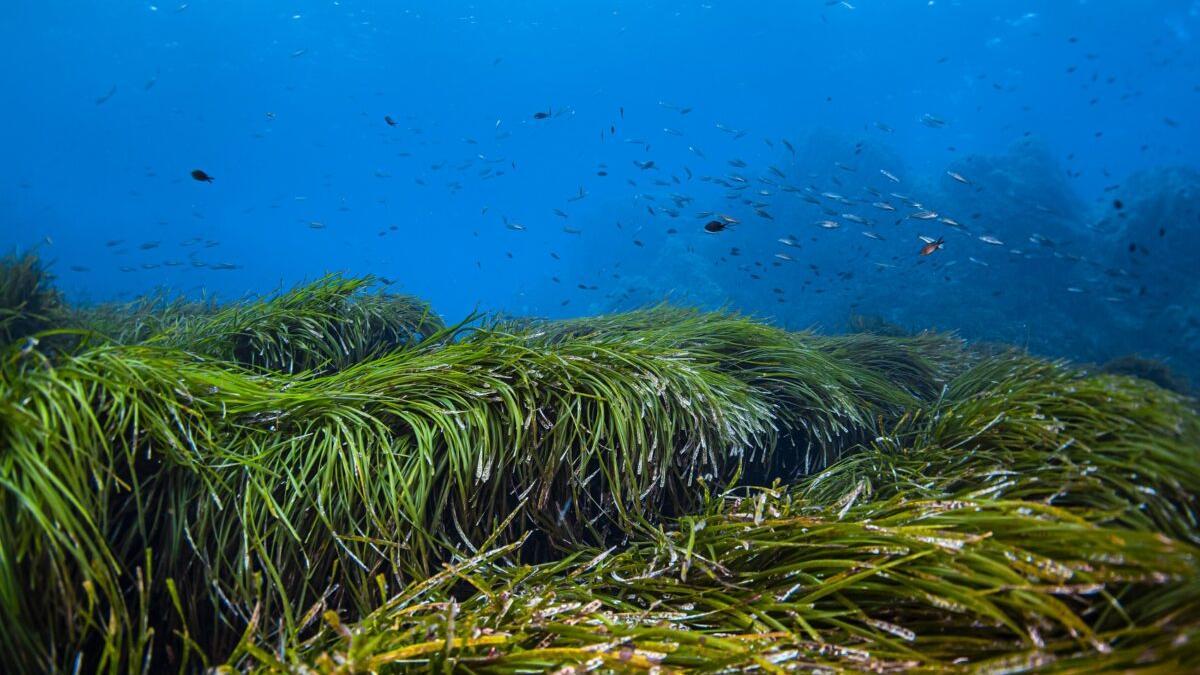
[(390, 122), (200, 175), (540, 115), (715, 226), (107, 95)]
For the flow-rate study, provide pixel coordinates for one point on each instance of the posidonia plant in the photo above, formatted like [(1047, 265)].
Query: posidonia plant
[(333, 479)]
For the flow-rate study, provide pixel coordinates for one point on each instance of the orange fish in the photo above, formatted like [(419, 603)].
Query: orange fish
[(932, 246)]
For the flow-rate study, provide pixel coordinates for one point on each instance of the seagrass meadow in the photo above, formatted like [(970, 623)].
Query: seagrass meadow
[(332, 479)]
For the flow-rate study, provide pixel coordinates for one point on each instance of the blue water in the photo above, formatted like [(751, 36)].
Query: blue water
[(1053, 112)]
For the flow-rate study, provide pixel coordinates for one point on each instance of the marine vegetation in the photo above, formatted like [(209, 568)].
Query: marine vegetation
[(333, 480), (29, 302)]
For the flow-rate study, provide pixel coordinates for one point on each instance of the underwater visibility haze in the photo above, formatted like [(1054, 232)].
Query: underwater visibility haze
[(363, 336)]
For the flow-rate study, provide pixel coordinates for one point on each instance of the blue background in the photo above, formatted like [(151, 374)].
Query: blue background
[(1053, 110)]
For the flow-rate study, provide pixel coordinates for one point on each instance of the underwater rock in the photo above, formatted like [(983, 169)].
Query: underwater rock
[(876, 324), (1147, 369), (1017, 194)]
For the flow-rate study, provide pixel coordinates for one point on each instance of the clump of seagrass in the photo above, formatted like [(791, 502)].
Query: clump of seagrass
[(139, 319), (267, 492), (279, 483), (29, 303), (324, 325), (767, 582), (1020, 428)]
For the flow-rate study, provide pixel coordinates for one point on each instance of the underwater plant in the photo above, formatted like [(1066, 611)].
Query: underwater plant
[(767, 582), (29, 303), (332, 479), (327, 324)]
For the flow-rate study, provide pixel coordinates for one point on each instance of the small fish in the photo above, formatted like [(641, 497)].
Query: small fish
[(958, 177), (889, 175), (924, 215), (988, 239), (542, 115), (107, 95), (785, 257), (390, 122), (715, 226), (871, 235), (30, 344), (572, 230), (932, 121), (932, 245), (515, 227), (829, 224), (200, 175)]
